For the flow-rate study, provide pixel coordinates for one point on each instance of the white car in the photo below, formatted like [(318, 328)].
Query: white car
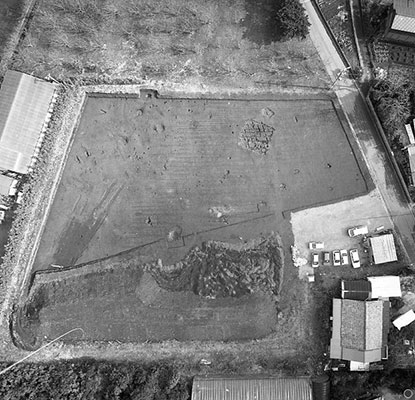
[(344, 256), (316, 245), (354, 257), (336, 258), (358, 231), (315, 261)]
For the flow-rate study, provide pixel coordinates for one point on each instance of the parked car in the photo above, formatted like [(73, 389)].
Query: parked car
[(344, 256), (316, 245), (315, 262), (354, 257), (336, 258), (326, 258), (358, 231)]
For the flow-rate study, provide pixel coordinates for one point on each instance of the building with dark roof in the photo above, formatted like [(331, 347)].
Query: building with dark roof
[(25, 106), (250, 388), (374, 287), (399, 34), (360, 330), (401, 23)]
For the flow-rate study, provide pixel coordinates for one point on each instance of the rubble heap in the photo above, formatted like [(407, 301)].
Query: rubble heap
[(216, 269), (256, 136)]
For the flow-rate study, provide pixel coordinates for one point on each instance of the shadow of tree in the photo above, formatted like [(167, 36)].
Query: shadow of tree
[(261, 21)]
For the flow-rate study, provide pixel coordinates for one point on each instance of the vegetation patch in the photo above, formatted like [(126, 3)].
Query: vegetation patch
[(393, 99), (337, 15), (174, 40), (89, 379)]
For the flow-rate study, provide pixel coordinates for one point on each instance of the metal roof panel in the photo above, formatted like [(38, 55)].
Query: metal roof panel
[(24, 104), (251, 388)]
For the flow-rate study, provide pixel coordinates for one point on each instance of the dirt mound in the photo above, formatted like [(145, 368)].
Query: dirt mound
[(256, 136), (217, 269)]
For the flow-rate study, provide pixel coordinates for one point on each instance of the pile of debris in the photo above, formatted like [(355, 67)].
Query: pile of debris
[(256, 136), (295, 256), (216, 269)]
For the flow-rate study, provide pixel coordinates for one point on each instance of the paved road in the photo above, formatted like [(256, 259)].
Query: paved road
[(361, 122)]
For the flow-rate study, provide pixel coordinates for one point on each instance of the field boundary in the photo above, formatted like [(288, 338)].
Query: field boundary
[(52, 194), (40, 197), (31, 214)]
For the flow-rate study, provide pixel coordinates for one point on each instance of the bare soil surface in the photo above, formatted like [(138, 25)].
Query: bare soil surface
[(143, 171), (139, 167), (120, 300)]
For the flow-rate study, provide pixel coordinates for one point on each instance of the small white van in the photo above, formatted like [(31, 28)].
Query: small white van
[(358, 231)]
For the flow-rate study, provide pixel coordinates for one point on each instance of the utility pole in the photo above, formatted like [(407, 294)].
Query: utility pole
[(339, 76)]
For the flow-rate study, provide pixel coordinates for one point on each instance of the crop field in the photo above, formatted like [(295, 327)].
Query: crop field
[(153, 182)]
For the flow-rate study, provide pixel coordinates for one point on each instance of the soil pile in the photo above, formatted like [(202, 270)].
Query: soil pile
[(216, 269), (256, 136)]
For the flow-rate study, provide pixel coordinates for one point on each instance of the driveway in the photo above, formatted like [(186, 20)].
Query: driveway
[(362, 125)]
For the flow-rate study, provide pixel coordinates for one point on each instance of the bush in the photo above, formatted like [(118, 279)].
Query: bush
[(293, 19), (90, 379)]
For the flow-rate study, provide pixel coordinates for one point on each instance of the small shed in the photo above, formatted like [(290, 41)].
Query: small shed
[(411, 156), (404, 319), (251, 388), (410, 133), (7, 186), (382, 249), (25, 106)]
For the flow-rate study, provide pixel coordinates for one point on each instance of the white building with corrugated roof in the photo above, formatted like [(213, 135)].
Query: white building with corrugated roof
[(382, 249), (251, 388), (25, 108)]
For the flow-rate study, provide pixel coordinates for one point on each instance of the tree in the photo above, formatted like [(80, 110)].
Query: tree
[(293, 19), (392, 99)]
